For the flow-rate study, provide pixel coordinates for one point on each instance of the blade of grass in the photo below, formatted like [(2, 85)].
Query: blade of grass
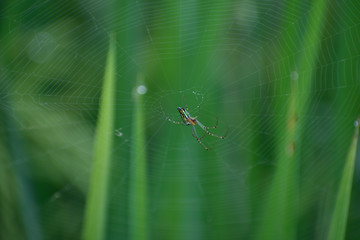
[(96, 207), (280, 213), (339, 218), (181, 210), (138, 189), (125, 13)]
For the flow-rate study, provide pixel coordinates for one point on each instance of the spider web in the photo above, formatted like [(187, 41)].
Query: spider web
[(53, 59)]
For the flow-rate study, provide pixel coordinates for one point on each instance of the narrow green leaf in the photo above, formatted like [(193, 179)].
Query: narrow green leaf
[(95, 216), (339, 218), (280, 213), (138, 190)]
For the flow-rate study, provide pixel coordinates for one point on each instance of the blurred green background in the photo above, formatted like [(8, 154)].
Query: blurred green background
[(87, 88)]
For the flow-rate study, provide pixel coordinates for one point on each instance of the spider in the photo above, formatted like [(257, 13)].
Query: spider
[(187, 120)]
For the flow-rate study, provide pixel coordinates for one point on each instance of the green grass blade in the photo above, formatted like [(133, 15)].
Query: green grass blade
[(280, 213), (340, 215), (95, 216), (138, 179)]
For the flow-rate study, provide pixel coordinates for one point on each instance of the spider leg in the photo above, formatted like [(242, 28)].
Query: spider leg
[(211, 134), (202, 136), (175, 122), (170, 120), (187, 108), (207, 132), (213, 126), (198, 106), (194, 133)]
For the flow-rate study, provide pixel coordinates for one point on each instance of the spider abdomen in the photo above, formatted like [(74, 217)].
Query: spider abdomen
[(192, 121)]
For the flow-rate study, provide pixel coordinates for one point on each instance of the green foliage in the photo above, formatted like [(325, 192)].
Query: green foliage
[(86, 154), (280, 212), (138, 206), (341, 210), (97, 200)]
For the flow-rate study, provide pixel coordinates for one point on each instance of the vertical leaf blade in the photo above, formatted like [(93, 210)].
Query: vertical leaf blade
[(280, 213), (95, 218), (138, 189), (339, 218)]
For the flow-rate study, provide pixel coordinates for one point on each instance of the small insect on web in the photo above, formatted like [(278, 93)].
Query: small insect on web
[(187, 120)]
